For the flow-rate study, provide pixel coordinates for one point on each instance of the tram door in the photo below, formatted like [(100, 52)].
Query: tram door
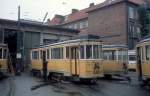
[(44, 65), (74, 60), (139, 63)]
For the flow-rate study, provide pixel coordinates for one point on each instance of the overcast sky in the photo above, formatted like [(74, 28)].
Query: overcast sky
[(36, 9)]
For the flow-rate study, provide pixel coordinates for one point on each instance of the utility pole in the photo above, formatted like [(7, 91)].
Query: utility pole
[(41, 34)]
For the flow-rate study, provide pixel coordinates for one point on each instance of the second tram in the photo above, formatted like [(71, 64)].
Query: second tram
[(143, 60), (79, 58), (115, 59), (3, 58)]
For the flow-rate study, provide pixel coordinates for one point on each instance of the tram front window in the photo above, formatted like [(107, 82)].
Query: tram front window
[(0, 53), (147, 52)]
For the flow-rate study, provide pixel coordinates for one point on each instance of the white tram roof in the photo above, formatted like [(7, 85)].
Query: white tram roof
[(3, 45), (115, 46), (145, 39), (75, 39)]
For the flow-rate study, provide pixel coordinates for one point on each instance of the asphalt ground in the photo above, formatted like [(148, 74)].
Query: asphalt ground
[(26, 85)]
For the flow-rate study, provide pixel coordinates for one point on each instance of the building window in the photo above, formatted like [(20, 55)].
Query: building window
[(131, 12), (82, 52), (86, 23), (81, 25), (57, 53), (75, 26), (0, 53)]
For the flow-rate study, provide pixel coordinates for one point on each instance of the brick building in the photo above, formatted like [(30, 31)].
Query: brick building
[(109, 18)]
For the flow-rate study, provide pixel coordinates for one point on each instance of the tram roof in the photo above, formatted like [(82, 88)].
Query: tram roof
[(75, 39), (115, 46), (3, 45), (145, 39)]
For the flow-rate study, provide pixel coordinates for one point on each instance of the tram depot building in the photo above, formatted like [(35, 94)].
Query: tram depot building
[(21, 39)]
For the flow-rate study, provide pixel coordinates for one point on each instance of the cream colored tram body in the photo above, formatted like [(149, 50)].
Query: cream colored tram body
[(3, 58), (114, 59), (143, 60), (80, 58)]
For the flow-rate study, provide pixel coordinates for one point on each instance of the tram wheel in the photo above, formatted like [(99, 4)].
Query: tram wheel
[(108, 76)]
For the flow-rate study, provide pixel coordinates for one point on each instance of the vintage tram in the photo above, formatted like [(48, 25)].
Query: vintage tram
[(79, 58), (114, 59), (143, 60), (3, 58)]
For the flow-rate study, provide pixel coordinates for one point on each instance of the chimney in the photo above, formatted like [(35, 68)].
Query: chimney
[(74, 10), (91, 4), (59, 16)]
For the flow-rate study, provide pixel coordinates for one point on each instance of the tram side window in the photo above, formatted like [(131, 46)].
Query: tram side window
[(147, 52), (125, 55), (5, 54), (100, 51), (96, 52), (109, 55), (35, 55), (105, 56), (67, 52), (57, 53), (0, 53), (82, 52), (41, 54), (88, 51), (119, 55), (47, 53)]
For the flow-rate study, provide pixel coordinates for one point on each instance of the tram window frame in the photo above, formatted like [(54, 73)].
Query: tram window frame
[(41, 54), (35, 55), (67, 52), (100, 52), (120, 55), (132, 57), (109, 55), (124, 55), (82, 52), (1, 53), (4, 53), (147, 52), (47, 54), (96, 52), (89, 52), (57, 53)]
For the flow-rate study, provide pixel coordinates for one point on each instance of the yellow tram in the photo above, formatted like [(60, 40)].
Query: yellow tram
[(3, 58), (79, 57), (115, 59), (143, 60)]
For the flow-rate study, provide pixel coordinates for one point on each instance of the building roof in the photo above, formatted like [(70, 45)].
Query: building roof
[(82, 14), (137, 1), (111, 2)]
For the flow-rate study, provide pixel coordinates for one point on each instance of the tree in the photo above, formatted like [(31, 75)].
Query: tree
[(144, 20)]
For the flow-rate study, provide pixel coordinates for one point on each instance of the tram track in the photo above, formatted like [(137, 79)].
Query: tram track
[(11, 86)]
